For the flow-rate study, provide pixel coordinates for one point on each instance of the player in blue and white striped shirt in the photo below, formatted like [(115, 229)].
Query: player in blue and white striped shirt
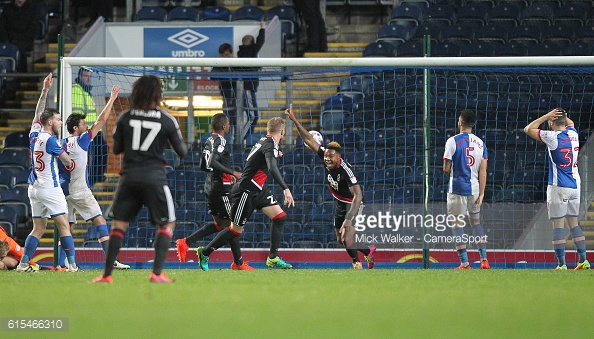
[(563, 190), (465, 162)]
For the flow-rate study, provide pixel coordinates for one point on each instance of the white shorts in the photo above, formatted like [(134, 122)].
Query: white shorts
[(86, 205), (463, 205), (47, 202), (563, 202)]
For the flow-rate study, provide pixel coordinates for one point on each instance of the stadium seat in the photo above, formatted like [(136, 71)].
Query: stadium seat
[(478, 49), (505, 13), (457, 33), (394, 34), (192, 3), (410, 49), (17, 196), (299, 156), (183, 14), (407, 195), (512, 49), (249, 13), (289, 23), (538, 13), (406, 14), (445, 49), (558, 32), (8, 219), (337, 113), (216, 13), (21, 178), (253, 138), (10, 52), (439, 13), (43, 17), (524, 33), (434, 31), (474, 13), (572, 13), (15, 157), (151, 13), (17, 140), (585, 34), (496, 32), (545, 48), (379, 50), (7, 175)]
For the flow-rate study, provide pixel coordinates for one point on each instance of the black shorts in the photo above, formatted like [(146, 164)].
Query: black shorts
[(219, 204), (340, 211), (149, 189), (246, 201)]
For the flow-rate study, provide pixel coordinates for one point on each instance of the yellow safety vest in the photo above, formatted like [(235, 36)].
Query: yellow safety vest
[(82, 103)]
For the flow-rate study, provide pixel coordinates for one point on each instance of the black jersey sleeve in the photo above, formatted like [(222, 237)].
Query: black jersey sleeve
[(118, 135), (274, 171), (321, 151), (177, 141), (215, 163)]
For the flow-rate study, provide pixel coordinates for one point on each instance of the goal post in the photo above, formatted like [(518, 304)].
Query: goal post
[(374, 108)]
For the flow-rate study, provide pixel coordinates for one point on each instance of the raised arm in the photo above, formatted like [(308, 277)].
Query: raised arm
[(47, 84), (307, 138), (102, 118), (532, 129)]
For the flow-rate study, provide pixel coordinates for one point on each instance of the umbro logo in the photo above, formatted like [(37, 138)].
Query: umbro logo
[(188, 38)]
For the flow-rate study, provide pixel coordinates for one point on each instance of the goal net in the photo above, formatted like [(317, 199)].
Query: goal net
[(392, 118)]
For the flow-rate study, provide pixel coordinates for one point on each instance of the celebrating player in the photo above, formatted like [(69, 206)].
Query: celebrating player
[(141, 134), (563, 190), (75, 183), (345, 188), (465, 162), (45, 194), (249, 194), (216, 160)]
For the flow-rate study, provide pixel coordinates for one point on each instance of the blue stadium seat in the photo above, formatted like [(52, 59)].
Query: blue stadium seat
[(505, 13), (379, 50), (458, 33), (393, 34), (7, 175), (473, 13), (493, 32), (406, 14), (573, 13), (445, 49), (439, 13), (17, 140), (512, 49), (177, 3), (410, 49), (300, 156), (17, 196), (559, 32), (478, 49), (16, 157), (548, 48), (524, 33), (538, 13), (249, 13), (253, 138), (407, 195), (216, 13), (182, 13), (21, 178), (10, 52), (8, 219), (151, 13), (585, 34), (434, 31), (289, 23)]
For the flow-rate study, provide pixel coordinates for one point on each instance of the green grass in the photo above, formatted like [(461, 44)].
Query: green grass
[(306, 304)]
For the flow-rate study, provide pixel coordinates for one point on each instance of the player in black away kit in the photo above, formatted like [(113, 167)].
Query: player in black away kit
[(344, 187), (249, 194), (216, 160), (141, 135)]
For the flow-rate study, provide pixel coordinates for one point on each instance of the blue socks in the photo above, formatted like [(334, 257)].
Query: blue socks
[(103, 236), (68, 246), (580, 242), (477, 231), (559, 244), (461, 247), (31, 244)]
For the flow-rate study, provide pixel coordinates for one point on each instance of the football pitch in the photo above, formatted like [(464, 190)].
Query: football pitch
[(305, 303)]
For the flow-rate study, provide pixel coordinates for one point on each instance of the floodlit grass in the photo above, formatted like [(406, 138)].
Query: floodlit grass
[(306, 304)]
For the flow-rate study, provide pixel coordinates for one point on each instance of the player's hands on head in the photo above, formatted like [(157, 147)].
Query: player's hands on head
[(288, 198), (554, 114)]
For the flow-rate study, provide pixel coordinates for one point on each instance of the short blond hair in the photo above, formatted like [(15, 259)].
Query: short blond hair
[(335, 146), (275, 125)]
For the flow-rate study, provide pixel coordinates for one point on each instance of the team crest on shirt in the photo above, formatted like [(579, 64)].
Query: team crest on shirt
[(333, 183)]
